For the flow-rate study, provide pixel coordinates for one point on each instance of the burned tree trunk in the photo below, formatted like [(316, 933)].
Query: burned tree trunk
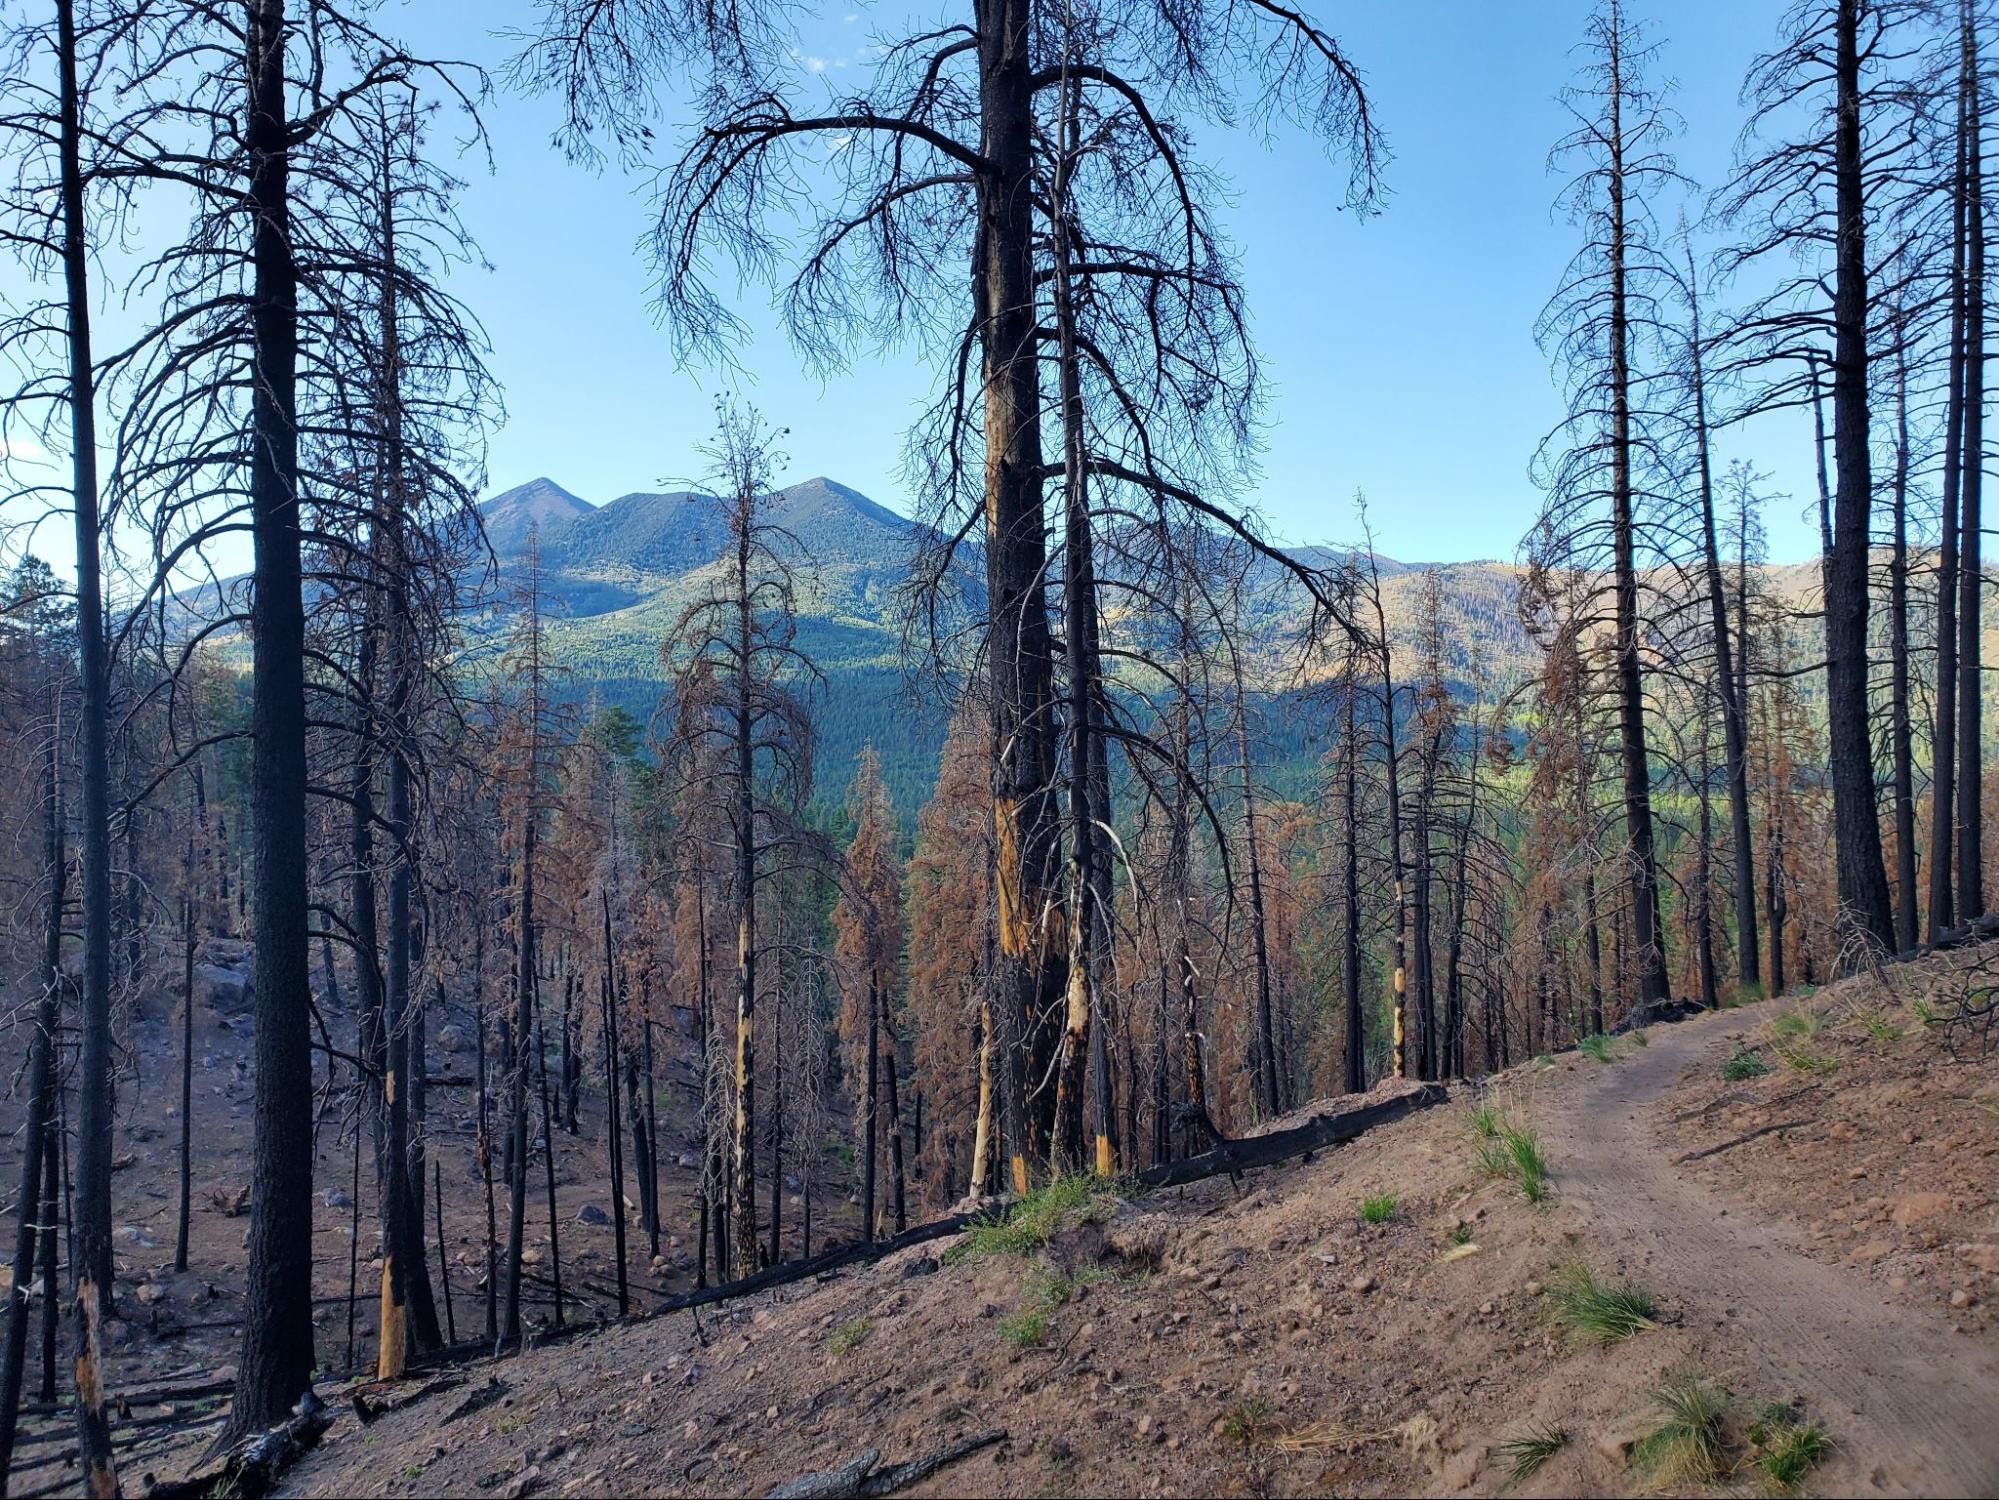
[(1863, 881), (276, 1361)]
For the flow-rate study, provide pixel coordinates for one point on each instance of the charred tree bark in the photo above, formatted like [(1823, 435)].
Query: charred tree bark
[(1653, 986), (93, 1174), (1970, 617), (614, 1144), (1901, 739), (1355, 1079), (1863, 881), (1030, 977), (275, 1366), (897, 1182), (1734, 710), (1943, 739), (29, 1221)]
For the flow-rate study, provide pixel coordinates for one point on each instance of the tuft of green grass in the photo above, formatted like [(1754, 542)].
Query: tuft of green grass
[(1024, 1330), (1597, 1047), (1530, 1168), (849, 1336), (1378, 1209), (1514, 1151), (1247, 1420), (1804, 1059), (1032, 1221), (1640, 1039), (1533, 1448), (1744, 1063), (1544, 1060), (1925, 1012), (1595, 1312), (1786, 1460), (1486, 1120), (1687, 1447), (1461, 1234), (1795, 1025), (1786, 1446), (1053, 1290), (1880, 1028)]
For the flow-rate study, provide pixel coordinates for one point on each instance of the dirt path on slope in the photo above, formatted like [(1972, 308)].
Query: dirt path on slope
[(1912, 1407)]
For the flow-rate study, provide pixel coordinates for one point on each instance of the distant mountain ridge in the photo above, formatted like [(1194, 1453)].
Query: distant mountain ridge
[(616, 577), (610, 571)]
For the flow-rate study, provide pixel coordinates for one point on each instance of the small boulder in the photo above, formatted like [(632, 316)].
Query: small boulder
[(1984, 1257), (590, 1213), (1917, 1207)]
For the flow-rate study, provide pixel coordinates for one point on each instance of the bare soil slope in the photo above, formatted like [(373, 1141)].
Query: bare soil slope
[(1262, 1339)]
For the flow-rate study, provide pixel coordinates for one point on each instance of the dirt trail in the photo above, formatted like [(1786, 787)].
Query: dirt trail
[(1893, 1382)]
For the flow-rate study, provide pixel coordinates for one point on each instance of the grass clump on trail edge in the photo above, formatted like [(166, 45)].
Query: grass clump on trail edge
[(849, 1336), (1596, 1313), (1024, 1330), (1031, 1222), (1248, 1420), (1378, 1209), (1687, 1447), (1514, 1152), (1786, 1447), (1526, 1453), (1743, 1064), (1529, 1167), (1597, 1047)]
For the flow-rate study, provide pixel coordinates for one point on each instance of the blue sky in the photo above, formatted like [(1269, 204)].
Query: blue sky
[(1400, 351)]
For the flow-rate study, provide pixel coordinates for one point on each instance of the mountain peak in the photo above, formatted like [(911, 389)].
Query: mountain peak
[(540, 503)]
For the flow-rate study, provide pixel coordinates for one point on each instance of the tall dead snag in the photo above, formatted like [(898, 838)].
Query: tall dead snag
[(519, 1036), (226, 418), (1970, 769), (275, 1366), (1863, 880), (1942, 902), (1827, 153), (47, 219), (868, 928), (35, 615), (1901, 732), (948, 885), (1728, 680), (740, 735), (1594, 464)]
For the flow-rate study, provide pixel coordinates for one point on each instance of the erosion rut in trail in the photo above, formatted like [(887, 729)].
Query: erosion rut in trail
[(1895, 1383)]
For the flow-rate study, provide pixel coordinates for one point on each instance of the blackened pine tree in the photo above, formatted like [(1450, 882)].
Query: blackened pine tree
[(1822, 175), (739, 731), (224, 406), (1602, 464), (65, 199)]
